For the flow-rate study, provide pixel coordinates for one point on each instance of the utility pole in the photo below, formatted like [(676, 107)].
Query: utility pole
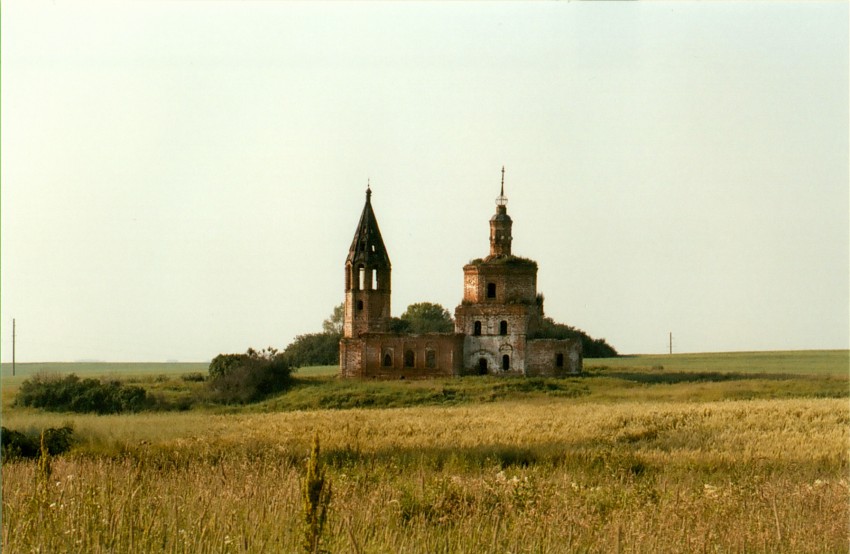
[(671, 342), (13, 347)]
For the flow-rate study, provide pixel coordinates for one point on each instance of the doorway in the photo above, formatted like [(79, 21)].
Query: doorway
[(482, 366)]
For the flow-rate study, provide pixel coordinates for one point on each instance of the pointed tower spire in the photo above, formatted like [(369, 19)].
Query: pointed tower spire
[(500, 225), (367, 277), (503, 181), (502, 200), (367, 247)]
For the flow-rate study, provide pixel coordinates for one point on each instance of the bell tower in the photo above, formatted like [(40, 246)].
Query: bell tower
[(367, 278), (500, 225)]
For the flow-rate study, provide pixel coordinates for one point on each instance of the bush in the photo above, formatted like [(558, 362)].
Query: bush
[(193, 377), (314, 349), (72, 394), (241, 378), (16, 444), (591, 348)]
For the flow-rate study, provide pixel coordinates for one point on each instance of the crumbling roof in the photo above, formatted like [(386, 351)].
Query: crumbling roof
[(503, 260), (367, 247)]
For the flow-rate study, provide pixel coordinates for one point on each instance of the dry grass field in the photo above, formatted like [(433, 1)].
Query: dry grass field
[(638, 462)]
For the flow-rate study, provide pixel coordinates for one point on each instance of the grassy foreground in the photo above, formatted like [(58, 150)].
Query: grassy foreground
[(643, 460)]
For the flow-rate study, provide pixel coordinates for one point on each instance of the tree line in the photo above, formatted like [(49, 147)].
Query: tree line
[(422, 317)]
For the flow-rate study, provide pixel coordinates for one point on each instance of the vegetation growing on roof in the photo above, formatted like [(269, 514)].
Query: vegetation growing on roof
[(503, 260)]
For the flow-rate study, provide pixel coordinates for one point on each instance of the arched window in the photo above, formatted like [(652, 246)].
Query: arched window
[(361, 281), (506, 362), (477, 331), (359, 305), (374, 279), (430, 358), (503, 328), (491, 290), (388, 360), (559, 360), (482, 366), (409, 358)]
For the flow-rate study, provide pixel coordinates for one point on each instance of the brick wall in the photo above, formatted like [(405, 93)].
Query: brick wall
[(350, 355), (542, 357), (395, 356), (490, 355), (514, 283)]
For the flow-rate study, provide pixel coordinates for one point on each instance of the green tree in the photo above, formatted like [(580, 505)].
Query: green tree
[(590, 347), (313, 349), (427, 317), (333, 324), (318, 348)]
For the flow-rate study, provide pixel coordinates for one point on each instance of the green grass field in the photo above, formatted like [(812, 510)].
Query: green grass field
[(791, 361), (742, 452), (814, 362), (121, 369)]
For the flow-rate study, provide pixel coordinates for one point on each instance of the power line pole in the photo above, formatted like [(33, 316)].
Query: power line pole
[(671, 342), (13, 347)]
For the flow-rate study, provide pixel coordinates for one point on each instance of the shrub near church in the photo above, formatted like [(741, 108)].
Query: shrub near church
[(240, 378)]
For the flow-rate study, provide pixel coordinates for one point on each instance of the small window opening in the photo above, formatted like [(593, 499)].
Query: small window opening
[(375, 279), (359, 305), (506, 362), (409, 358), (430, 359), (477, 331), (482, 366), (362, 280), (373, 248), (491, 290), (388, 360), (559, 360), (503, 328)]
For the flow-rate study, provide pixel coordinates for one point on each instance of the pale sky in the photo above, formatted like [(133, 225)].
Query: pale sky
[(181, 179)]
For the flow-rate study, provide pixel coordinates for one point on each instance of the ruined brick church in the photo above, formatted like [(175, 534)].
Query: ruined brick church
[(496, 323)]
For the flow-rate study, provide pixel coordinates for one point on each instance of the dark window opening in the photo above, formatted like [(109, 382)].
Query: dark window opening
[(359, 304), (491, 290), (559, 360), (409, 358), (482, 366), (430, 359), (506, 362), (477, 331), (503, 328), (388, 360)]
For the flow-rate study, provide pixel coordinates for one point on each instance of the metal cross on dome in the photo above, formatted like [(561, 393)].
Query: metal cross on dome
[(502, 200)]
